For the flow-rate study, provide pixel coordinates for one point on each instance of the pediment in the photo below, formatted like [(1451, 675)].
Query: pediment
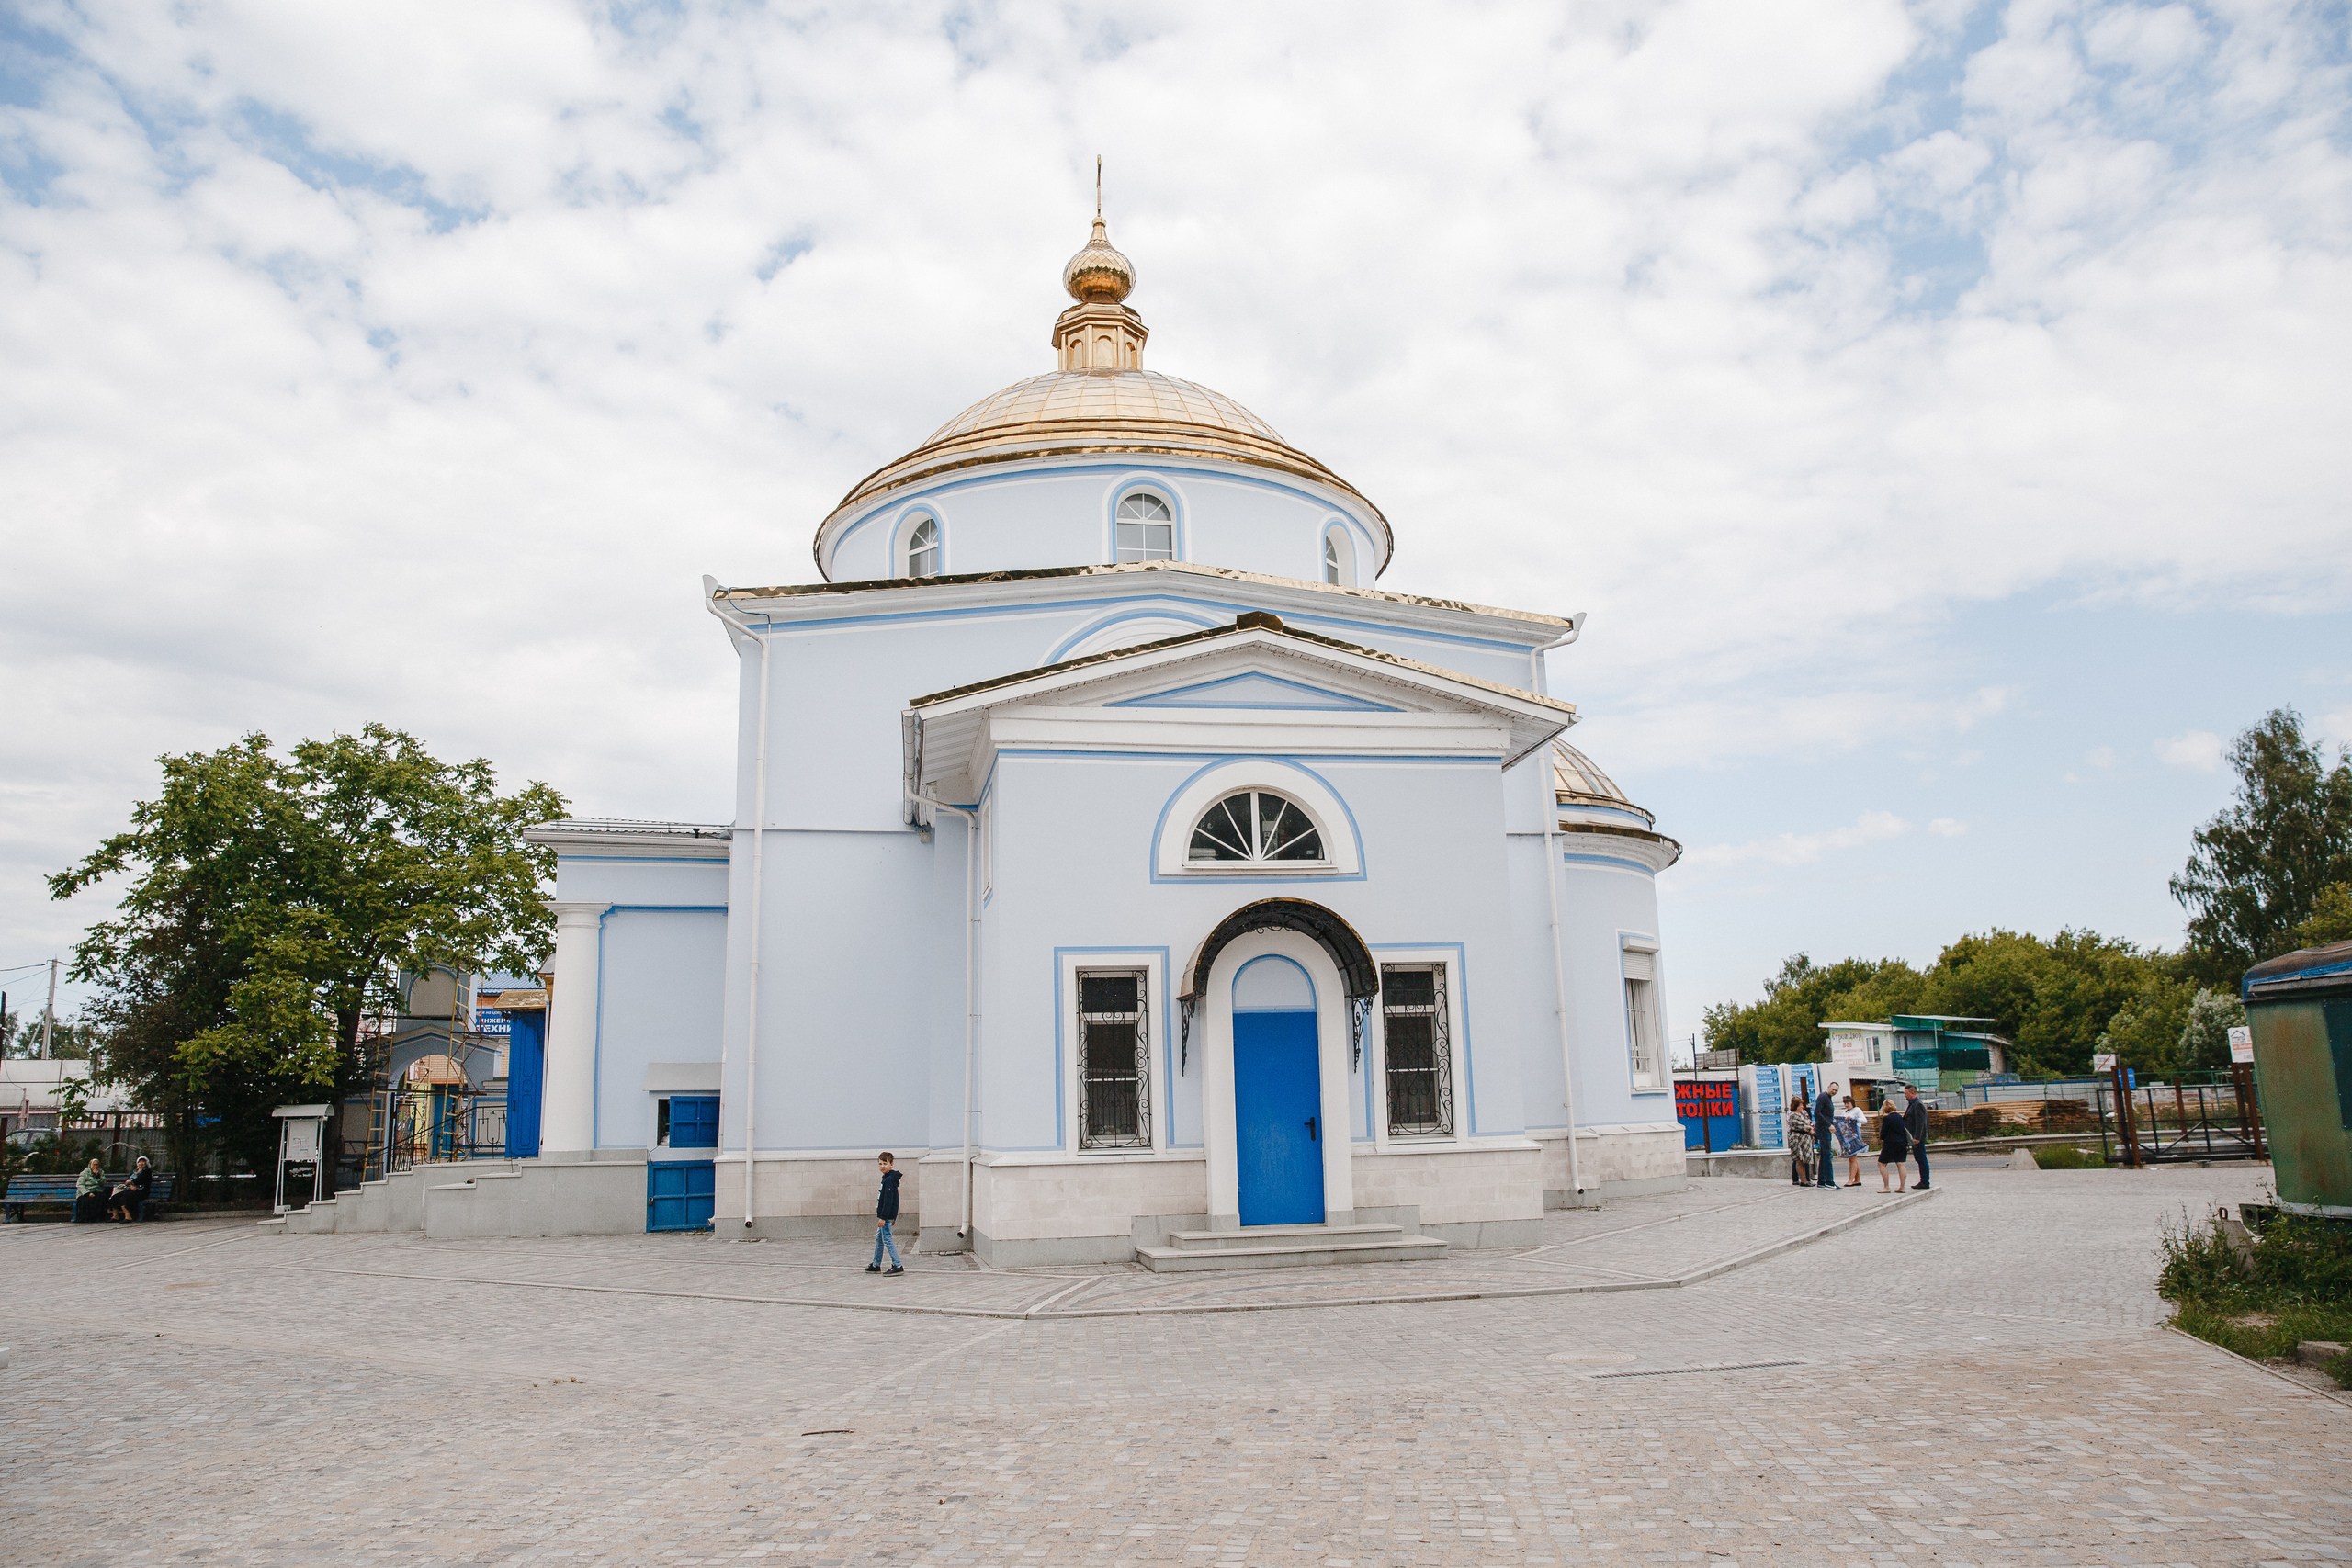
[(1249, 688), (1267, 674), (1256, 689)]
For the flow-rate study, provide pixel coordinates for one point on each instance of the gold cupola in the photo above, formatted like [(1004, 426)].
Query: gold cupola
[(1099, 332), (1099, 403)]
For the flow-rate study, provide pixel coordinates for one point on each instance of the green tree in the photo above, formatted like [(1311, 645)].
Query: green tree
[(2053, 1000), (71, 1037), (1785, 1026), (273, 901), (2330, 920), (2259, 868), (2146, 1032), (2205, 1033)]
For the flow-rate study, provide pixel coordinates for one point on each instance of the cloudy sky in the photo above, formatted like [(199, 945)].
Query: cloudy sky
[(1940, 408)]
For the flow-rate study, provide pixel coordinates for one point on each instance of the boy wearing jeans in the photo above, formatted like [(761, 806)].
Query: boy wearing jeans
[(886, 1210)]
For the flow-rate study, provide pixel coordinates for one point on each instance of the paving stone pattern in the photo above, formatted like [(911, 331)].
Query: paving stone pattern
[(1982, 1381)]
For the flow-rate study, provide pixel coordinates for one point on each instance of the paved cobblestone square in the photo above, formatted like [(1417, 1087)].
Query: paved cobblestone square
[(1979, 1378)]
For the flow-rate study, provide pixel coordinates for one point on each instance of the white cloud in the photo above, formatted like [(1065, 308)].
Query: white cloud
[(2198, 750), (1946, 826), (351, 368), (1796, 849)]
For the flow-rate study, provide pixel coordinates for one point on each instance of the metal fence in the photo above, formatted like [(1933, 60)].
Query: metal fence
[(409, 1128), (2186, 1119)]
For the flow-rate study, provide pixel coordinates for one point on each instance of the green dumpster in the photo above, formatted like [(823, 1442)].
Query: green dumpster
[(2299, 1005)]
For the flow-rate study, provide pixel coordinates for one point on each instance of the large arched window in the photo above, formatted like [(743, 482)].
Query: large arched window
[(1254, 827), (1147, 529), (922, 547)]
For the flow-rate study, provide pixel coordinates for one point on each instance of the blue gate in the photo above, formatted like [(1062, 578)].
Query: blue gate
[(1277, 1101), (679, 1194)]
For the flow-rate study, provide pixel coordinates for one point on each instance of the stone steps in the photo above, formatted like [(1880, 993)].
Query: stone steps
[(1286, 1247)]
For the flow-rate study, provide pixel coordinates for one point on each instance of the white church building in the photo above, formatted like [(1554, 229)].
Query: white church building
[(1111, 850)]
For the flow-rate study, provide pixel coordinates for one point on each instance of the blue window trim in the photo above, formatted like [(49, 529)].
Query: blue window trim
[(1159, 827), (902, 531), (1138, 482), (1061, 1021), (1461, 978)]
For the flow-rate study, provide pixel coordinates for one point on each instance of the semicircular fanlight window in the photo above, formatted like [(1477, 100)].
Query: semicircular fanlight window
[(1255, 826)]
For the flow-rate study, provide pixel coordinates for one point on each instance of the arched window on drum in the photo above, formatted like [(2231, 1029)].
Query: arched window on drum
[(1339, 557), (1147, 529), (922, 548)]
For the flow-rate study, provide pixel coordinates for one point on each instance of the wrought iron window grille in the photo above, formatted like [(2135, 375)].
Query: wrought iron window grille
[(1113, 1060), (1417, 1048)]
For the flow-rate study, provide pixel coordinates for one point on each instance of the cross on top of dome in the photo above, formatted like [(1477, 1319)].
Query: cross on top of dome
[(1100, 333), (1099, 272)]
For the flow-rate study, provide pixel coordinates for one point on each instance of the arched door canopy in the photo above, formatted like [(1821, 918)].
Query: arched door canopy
[(1358, 973)]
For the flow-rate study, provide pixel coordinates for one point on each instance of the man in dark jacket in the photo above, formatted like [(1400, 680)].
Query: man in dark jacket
[(885, 1211), (1915, 1117), (1824, 1125)]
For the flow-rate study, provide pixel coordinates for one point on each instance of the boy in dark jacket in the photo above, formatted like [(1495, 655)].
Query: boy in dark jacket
[(885, 1211)]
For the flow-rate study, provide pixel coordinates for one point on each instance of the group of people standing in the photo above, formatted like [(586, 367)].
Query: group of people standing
[(1831, 1128)]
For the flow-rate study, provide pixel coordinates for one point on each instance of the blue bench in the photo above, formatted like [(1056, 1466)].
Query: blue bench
[(57, 1192)]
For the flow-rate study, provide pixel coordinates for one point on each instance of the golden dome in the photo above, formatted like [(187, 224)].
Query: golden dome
[(1099, 401), (1100, 273), (1065, 414)]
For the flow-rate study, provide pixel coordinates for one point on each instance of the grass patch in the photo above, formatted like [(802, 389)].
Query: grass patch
[(2261, 1295), (2066, 1156)]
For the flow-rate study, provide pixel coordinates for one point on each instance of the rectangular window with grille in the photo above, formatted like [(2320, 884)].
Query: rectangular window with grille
[(1418, 1046), (1114, 1061), (1641, 1021)]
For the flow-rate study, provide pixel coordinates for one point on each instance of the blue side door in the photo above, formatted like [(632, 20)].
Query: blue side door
[(525, 1071), (1277, 1106), (679, 1194)]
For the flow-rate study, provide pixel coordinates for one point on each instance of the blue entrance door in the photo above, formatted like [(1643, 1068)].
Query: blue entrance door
[(679, 1194), (1277, 1110), (525, 1063)]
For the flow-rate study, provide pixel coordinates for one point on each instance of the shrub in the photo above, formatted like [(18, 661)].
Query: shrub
[(2062, 1156), (2261, 1295)]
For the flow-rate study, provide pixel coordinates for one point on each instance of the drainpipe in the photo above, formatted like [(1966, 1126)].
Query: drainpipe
[(1551, 896), (971, 979), (737, 625)]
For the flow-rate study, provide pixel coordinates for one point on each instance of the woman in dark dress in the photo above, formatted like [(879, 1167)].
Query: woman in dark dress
[(1893, 1148)]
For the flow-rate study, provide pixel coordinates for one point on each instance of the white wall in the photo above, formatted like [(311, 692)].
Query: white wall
[(1599, 904), (663, 975)]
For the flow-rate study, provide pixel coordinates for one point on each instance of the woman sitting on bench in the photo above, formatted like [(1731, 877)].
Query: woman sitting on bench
[(90, 1194), (129, 1200)]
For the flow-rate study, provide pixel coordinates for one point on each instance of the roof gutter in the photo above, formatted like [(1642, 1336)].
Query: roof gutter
[(1552, 895), (738, 627)]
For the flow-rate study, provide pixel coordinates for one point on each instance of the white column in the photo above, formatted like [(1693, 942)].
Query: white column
[(568, 1113)]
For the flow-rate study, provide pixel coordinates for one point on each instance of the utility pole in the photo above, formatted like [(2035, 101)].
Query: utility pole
[(49, 1018)]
